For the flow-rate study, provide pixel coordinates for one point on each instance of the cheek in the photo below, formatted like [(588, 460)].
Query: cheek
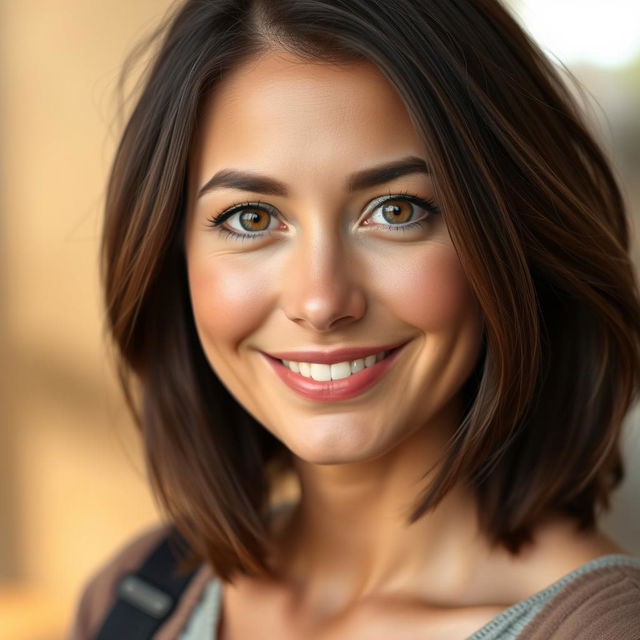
[(429, 288), (229, 298)]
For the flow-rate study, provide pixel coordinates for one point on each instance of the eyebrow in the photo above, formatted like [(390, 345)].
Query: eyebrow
[(246, 181)]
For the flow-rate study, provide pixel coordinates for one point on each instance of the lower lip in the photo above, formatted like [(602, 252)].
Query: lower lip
[(333, 390)]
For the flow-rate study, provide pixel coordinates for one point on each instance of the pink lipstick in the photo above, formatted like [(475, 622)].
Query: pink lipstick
[(333, 390)]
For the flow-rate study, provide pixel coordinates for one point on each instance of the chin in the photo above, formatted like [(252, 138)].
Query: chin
[(336, 444), (321, 459)]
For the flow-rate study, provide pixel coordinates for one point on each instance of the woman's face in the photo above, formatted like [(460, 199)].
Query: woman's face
[(332, 255)]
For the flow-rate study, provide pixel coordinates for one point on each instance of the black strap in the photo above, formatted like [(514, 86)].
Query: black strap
[(148, 596)]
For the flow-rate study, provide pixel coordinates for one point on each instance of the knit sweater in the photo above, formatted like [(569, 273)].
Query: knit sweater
[(598, 601)]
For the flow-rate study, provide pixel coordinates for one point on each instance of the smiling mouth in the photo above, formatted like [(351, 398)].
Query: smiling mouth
[(335, 371), (329, 382)]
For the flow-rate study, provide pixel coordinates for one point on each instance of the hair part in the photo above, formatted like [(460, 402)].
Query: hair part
[(533, 211)]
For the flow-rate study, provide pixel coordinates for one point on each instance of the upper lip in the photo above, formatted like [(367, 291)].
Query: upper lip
[(330, 356)]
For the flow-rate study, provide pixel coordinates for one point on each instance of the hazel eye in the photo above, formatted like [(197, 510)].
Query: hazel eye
[(252, 219), (396, 211), (401, 212), (246, 220)]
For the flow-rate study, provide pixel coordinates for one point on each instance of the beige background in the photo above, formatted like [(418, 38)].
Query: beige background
[(72, 485), (71, 482)]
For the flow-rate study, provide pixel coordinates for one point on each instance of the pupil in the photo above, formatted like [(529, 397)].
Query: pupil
[(250, 220), (395, 213)]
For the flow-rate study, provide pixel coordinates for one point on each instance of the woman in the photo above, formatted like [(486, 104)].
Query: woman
[(370, 247)]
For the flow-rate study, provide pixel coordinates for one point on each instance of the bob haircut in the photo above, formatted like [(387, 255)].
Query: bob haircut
[(533, 211)]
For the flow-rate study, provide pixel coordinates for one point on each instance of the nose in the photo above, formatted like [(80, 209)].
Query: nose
[(322, 287)]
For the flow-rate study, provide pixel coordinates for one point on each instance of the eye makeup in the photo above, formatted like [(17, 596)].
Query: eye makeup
[(240, 209), (427, 206)]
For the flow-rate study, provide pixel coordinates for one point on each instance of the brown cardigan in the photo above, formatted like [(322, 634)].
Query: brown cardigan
[(602, 604)]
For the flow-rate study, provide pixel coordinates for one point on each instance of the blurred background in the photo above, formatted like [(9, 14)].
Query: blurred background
[(72, 483)]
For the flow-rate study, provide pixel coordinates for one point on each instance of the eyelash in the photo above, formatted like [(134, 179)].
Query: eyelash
[(428, 205)]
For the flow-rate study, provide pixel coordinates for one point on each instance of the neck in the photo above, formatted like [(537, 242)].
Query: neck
[(348, 535)]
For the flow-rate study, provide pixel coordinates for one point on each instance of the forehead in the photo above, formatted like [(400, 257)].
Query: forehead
[(286, 112)]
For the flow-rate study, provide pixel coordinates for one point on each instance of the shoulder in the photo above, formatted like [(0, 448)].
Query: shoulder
[(99, 591), (602, 600)]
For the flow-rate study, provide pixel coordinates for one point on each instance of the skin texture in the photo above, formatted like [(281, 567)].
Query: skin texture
[(330, 274)]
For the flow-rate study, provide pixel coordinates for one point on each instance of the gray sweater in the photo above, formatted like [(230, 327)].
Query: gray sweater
[(610, 583)]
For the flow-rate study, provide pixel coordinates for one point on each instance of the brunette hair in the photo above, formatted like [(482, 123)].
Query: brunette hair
[(533, 211)]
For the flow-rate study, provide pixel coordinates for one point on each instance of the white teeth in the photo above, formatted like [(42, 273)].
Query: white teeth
[(320, 372), (305, 369), (340, 370), (357, 365), (335, 371)]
